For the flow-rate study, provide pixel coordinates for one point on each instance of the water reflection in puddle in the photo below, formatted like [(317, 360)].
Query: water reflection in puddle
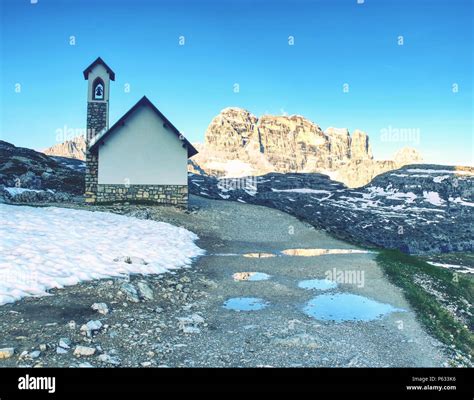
[(259, 255), (245, 304), (346, 307), (250, 276), (318, 284), (321, 252), (296, 252)]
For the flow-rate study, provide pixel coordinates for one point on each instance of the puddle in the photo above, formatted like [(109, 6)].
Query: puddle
[(259, 255), (346, 307), (250, 276), (318, 284), (245, 304), (321, 252), (295, 252)]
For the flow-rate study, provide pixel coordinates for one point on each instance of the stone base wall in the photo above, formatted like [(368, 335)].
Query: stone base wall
[(175, 195), (97, 117), (92, 172)]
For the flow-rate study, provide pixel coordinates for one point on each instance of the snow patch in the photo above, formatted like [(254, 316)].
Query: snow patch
[(439, 179), (45, 248), (458, 200), (433, 198), (440, 171), (14, 191), (233, 168), (392, 194), (302, 190), (458, 268)]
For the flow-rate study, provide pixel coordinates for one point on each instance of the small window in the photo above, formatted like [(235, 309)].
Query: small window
[(98, 93)]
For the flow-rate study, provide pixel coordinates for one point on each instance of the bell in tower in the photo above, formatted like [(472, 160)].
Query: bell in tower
[(98, 90)]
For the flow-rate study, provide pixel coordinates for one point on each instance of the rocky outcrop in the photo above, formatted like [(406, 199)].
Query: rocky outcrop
[(231, 130), (361, 170), (237, 143), (74, 148), (357, 173), (407, 155), (360, 147), (277, 143), (419, 209), (27, 175), (340, 145), (292, 143)]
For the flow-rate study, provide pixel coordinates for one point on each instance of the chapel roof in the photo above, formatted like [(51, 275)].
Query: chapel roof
[(144, 101)]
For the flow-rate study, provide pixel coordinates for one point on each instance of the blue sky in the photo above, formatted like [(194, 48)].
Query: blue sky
[(245, 42)]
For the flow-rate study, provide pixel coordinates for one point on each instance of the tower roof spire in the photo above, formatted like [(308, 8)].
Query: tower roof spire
[(96, 62)]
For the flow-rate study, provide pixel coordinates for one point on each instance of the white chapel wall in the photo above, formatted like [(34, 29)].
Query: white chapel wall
[(143, 152)]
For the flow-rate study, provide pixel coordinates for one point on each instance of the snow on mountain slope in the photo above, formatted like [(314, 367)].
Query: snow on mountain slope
[(425, 209), (45, 248)]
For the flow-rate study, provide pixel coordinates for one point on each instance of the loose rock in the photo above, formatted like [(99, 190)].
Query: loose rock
[(107, 359), (6, 352), (65, 343), (101, 308), (84, 351), (130, 292), (35, 354), (145, 291), (91, 327)]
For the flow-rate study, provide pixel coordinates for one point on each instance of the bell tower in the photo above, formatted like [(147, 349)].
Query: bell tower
[(98, 75)]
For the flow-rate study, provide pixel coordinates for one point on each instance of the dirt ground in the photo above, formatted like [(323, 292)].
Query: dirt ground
[(182, 321)]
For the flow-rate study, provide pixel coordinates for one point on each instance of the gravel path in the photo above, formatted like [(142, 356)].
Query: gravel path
[(183, 321)]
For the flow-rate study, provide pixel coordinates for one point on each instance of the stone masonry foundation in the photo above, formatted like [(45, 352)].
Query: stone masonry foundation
[(96, 123), (92, 172), (176, 195)]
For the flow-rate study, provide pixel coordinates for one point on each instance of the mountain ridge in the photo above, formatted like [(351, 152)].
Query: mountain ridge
[(238, 143)]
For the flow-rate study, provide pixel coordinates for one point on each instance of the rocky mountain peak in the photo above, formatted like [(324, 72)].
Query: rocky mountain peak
[(407, 155), (74, 148), (230, 130), (331, 131), (280, 143), (340, 144), (360, 147)]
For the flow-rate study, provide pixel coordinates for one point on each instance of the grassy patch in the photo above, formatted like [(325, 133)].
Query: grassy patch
[(403, 270)]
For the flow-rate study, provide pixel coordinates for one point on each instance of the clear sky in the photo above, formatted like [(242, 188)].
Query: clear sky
[(423, 86)]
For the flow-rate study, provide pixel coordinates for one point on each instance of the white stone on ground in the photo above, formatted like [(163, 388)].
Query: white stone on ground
[(84, 351), (91, 327), (101, 308), (6, 352)]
